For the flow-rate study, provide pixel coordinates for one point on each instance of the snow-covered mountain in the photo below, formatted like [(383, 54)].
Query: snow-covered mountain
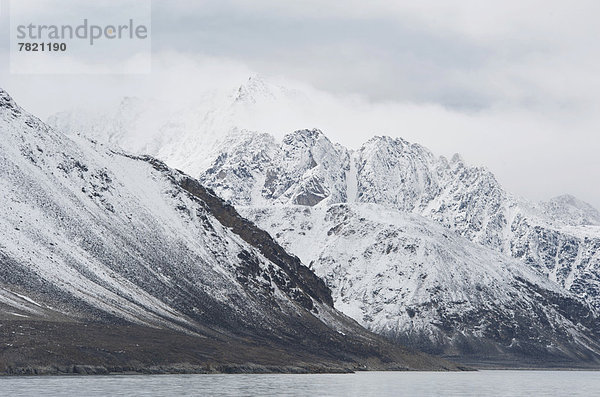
[(408, 278), (92, 236), (310, 175), (560, 238), (357, 251)]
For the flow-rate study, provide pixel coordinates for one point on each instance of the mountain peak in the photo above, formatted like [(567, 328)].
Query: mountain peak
[(571, 210), (570, 200), (6, 102), (255, 88), (385, 140), (308, 136), (456, 158)]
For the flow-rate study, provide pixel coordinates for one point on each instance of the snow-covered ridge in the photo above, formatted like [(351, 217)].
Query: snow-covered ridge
[(92, 234), (559, 238)]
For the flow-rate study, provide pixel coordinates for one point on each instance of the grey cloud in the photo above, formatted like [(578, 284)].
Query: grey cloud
[(512, 85)]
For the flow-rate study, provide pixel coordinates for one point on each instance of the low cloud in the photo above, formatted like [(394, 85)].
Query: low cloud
[(511, 85)]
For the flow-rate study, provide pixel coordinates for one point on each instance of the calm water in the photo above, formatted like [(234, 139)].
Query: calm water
[(483, 383)]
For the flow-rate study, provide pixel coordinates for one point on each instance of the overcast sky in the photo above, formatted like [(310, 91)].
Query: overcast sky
[(512, 85)]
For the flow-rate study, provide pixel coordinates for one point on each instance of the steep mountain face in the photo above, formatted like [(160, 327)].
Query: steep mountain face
[(559, 238), (127, 246), (407, 278), (470, 201), (306, 169), (408, 177)]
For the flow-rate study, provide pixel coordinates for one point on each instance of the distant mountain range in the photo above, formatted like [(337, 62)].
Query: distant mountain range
[(422, 249)]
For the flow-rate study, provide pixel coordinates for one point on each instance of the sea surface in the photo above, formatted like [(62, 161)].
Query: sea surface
[(482, 383)]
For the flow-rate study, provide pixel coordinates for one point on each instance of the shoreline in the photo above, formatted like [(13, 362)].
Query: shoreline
[(238, 369)]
